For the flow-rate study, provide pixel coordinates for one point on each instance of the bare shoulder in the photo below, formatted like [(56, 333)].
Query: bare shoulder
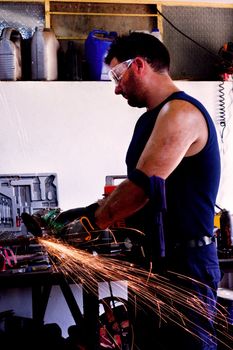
[(179, 117), (181, 110), (180, 131)]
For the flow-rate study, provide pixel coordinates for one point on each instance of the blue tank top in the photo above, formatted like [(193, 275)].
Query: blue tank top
[(192, 187)]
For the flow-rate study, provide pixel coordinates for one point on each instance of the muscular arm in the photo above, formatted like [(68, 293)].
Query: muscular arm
[(180, 131), (125, 200)]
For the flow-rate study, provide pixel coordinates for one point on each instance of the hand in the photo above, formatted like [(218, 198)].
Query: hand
[(77, 224), (67, 216), (77, 219)]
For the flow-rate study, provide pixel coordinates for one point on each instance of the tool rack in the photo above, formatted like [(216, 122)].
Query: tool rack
[(25, 193)]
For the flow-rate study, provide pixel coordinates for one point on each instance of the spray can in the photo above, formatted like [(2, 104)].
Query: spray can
[(225, 230)]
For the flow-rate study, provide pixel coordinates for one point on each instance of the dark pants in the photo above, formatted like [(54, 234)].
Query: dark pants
[(190, 330)]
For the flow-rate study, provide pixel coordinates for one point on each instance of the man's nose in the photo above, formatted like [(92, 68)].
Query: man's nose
[(118, 89)]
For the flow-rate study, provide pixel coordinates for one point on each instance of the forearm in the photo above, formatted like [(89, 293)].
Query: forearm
[(124, 201)]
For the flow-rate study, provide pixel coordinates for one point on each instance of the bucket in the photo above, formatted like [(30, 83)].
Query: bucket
[(96, 47)]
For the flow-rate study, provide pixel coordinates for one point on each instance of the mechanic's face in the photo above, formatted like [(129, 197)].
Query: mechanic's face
[(127, 83)]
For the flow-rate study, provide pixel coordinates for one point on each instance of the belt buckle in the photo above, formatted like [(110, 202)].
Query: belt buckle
[(203, 241), (196, 243), (208, 240)]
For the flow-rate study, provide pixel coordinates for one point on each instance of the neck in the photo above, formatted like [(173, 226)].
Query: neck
[(160, 88)]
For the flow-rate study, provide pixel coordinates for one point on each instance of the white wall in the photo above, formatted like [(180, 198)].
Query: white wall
[(78, 130), (81, 131)]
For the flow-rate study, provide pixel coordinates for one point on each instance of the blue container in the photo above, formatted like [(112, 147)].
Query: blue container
[(96, 47)]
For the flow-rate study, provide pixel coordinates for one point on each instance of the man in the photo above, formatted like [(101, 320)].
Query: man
[(175, 144), (173, 167)]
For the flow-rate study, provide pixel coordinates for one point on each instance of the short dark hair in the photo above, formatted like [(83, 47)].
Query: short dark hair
[(140, 44)]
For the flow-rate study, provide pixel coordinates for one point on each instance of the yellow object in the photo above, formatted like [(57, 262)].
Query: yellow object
[(217, 220)]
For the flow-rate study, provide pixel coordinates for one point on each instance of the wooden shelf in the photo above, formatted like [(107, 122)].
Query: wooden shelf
[(51, 13), (98, 11)]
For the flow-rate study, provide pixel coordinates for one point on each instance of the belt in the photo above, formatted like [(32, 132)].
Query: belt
[(195, 243)]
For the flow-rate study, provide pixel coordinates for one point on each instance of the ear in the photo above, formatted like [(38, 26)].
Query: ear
[(139, 64)]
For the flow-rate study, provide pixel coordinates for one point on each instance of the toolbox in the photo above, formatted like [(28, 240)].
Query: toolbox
[(25, 193), (111, 182)]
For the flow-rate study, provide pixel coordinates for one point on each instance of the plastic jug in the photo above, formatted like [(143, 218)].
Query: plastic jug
[(44, 49), (10, 55), (96, 47)]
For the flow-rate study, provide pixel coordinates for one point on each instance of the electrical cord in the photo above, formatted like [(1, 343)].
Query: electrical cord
[(194, 41), (222, 118), (223, 62)]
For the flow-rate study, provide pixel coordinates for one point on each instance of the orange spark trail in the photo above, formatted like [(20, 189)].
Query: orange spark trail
[(154, 291)]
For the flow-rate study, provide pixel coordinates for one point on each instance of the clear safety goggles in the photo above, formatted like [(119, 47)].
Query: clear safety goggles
[(117, 72)]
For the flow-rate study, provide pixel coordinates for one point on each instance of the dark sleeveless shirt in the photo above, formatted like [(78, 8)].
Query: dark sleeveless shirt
[(191, 189)]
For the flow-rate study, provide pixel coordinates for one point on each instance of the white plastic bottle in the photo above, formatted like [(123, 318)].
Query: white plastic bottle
[(155, 32)]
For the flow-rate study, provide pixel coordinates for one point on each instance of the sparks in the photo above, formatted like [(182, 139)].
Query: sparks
[(152, 290)]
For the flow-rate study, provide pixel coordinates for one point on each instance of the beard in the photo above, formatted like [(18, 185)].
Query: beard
[(134, 96), (135, 100)]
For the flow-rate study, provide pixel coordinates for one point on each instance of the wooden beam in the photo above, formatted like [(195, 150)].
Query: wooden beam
[(160, 20), (104, 14), (47, 14)]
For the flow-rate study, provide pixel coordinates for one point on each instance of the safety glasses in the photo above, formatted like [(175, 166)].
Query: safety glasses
[(117, 72)]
